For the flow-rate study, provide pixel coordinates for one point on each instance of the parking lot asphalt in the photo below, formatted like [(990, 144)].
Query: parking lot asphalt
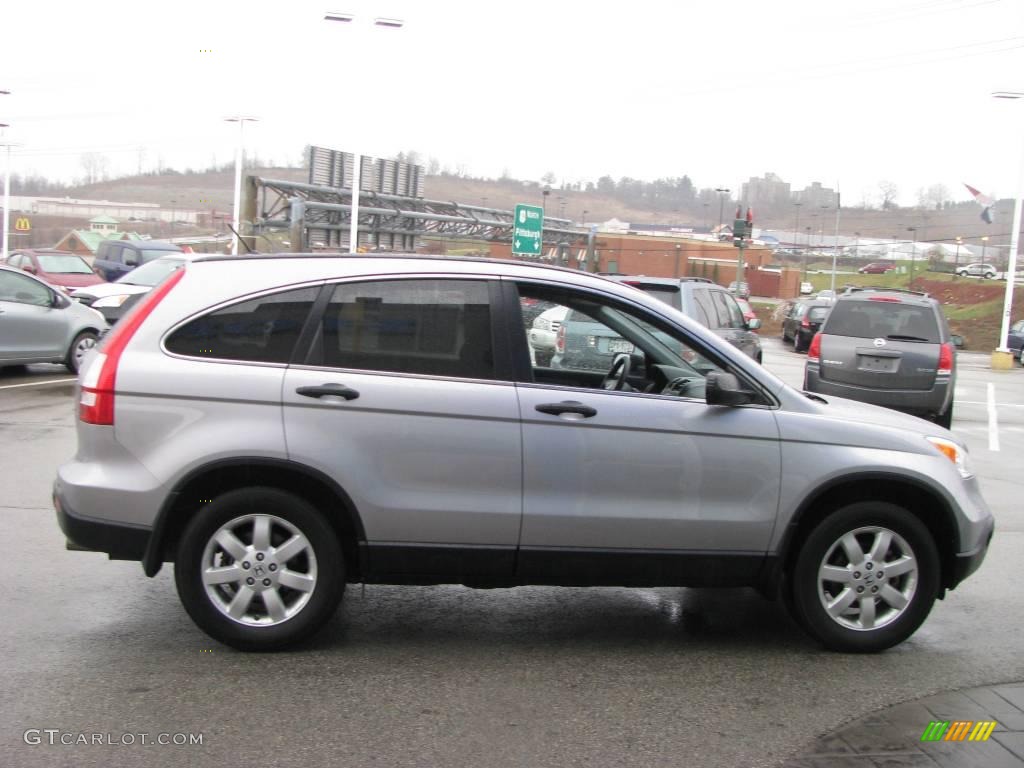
[(426, 676)]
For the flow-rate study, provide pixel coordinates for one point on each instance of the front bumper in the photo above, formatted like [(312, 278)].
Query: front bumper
[(967, 563), (120, 541)]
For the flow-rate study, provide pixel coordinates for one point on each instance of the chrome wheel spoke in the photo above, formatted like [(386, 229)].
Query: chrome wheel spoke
[(845, 599), (225, 575), (230, 543), (880, 546), (299, 581), (240, 604), (852, 549), (905, 564), (867, 612), (261, 533), (294, 546), (835, 573), (893, 597), (274, 604)]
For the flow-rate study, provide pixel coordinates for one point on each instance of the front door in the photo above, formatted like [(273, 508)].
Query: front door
[(644, 483), (31, 328)]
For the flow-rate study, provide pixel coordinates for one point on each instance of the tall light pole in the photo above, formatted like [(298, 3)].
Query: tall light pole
[(835, 244), (804, 254), (239, 159), (796, 226), (1002, 357), (7, 188), (984, 247), (357, 170), (913, 255), (722, 191), (956, 264)]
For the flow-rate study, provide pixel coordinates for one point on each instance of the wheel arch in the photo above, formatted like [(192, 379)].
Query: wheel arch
[(924, 502), (203, 483)]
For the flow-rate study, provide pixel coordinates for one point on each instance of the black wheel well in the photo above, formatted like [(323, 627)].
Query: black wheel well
[(203, 486), (923, 503)]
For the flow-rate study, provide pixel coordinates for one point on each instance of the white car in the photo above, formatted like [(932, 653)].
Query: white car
[(978, 269), (806, 288), (544, 333)]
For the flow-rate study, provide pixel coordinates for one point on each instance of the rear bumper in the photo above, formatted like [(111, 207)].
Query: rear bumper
[(119, 540), (916, 401)]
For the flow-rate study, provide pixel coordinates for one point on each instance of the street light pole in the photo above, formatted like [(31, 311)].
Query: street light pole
[(239, 159), (835, 245), (913, 256), (722, 192), (956, 264), (357, 170), (1003, 350), (7, 189)]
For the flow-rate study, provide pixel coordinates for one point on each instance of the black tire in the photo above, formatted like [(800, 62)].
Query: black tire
[(73, 359), (327, 562), (963, 273), (799, 343), (945, 419), (990, 275), (896, 625)]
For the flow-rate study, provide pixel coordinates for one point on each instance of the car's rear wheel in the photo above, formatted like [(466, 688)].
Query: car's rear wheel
[(963, 273), (866, 577), (259, 569), (83, 342), (990, 275)]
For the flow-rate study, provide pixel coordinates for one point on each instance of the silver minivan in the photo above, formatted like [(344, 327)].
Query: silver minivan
[(281, 426)]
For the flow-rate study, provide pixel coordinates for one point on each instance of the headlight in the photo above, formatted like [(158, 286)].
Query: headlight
[(111, 301), (955, 453)]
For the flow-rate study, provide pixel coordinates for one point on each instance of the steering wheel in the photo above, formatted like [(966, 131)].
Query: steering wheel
[(616, 377)]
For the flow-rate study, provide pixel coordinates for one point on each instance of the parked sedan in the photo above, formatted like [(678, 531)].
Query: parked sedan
[(114, 299), (877, 268), (61, 269), (806, 288), (39, 324)]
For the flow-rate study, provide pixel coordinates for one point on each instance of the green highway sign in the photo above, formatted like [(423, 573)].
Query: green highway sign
[(526, 230)]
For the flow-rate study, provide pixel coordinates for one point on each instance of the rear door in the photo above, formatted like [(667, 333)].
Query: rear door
[(880, 343), (731, 325), (405, 403)]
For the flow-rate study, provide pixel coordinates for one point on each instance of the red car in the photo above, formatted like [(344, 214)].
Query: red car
[(877, 268), (61, 269), (748, 312)]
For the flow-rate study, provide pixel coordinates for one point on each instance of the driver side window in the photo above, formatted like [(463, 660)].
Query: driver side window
[(579, 340)]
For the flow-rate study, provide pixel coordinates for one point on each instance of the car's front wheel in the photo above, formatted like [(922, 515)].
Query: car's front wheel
[(963, 273), (866, 577), (259, 569)]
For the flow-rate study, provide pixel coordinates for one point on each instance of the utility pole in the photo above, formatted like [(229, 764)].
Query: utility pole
[(956, 264), (913, 255), (796, 227), (722, 192), (835, 245)]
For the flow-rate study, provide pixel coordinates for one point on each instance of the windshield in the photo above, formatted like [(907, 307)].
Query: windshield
[(152, 273), (64, 264), (883, 320)]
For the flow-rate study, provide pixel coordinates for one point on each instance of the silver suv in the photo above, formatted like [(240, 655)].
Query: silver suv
[(281, 426)]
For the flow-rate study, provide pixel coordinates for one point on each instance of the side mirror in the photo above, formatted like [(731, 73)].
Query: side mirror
[(722, 388), (753, 325), (958, 340), (59, 302), (131, 261)]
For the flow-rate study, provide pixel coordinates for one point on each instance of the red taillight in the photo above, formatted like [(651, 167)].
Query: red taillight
[(560, 340), (946, 354), (96, 405), (814, 351), (805, 323)]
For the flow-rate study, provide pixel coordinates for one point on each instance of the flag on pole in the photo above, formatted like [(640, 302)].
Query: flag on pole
[(986, 202)]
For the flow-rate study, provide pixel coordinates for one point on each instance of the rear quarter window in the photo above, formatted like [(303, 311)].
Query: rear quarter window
[(882, 319), (264, 330)]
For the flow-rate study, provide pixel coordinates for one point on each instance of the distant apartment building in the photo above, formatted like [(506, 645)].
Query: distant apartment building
[(767, 192), (815, 196)]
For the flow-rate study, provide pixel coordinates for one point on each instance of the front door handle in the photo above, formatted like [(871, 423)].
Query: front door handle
[(567, 406), (328, 390)]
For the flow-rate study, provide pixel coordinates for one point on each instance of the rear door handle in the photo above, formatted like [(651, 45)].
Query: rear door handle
[(328, 390), (567, 406)]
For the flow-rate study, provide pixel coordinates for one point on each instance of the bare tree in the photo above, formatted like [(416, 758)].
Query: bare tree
[(95, 166), (889, 192), (549, 178), (433, 166)]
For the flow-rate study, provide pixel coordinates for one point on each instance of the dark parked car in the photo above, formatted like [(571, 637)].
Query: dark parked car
[(61, 269), (877, 268), (803, 321), (119, 257), (709, 304), (1015, 338), (887, 347), (113, 300)]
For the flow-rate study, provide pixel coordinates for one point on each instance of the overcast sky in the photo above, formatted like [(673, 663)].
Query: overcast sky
[(837, 91)]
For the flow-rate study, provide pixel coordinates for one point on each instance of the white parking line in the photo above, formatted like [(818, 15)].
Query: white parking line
[(993, 424), (37, 383)]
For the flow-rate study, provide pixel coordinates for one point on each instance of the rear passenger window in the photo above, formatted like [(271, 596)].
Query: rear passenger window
[(429, 327), (705, 309), (729, 313), (262, 330)]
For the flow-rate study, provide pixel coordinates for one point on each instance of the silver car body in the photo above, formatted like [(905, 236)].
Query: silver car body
[(460, 480), (32, 331)]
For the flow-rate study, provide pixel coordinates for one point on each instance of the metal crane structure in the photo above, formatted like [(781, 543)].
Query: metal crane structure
[(319, 217)]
